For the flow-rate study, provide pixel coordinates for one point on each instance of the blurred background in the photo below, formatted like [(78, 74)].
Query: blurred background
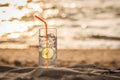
[(88, 31)]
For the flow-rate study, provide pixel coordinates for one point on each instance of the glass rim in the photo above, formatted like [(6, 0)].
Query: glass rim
[(51, 29)]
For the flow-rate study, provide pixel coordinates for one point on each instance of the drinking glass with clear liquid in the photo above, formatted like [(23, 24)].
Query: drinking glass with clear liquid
[(47, 47)]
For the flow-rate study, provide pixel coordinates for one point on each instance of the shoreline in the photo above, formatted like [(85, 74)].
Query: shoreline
[(66, 57)]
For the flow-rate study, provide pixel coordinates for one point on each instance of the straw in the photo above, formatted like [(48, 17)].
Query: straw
[(46, 27)]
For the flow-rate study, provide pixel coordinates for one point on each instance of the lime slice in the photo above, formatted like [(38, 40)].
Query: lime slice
[(47, 53)]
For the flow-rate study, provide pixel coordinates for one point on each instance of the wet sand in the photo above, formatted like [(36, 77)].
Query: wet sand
[(66, 57)]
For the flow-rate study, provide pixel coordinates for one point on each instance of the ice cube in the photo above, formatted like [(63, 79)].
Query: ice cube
[(51, 35)]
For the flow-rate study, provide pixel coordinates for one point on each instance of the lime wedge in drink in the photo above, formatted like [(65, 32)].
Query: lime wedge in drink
[(47, 53)]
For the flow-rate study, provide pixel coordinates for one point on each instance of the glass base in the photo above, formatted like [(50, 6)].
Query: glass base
[(46, 67)]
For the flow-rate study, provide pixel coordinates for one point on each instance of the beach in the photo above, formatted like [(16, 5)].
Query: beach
[(88, 39), (79, 72), (65, 57), (22, 64)]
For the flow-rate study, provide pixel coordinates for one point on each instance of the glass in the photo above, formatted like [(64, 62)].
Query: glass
[(47, 54)]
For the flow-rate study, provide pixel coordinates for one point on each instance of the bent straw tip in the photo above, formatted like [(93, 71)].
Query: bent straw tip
[(35, 16)]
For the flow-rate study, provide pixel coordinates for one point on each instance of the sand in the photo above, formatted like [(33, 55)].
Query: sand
[(65, 57), (81, 72), (72, 64)]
